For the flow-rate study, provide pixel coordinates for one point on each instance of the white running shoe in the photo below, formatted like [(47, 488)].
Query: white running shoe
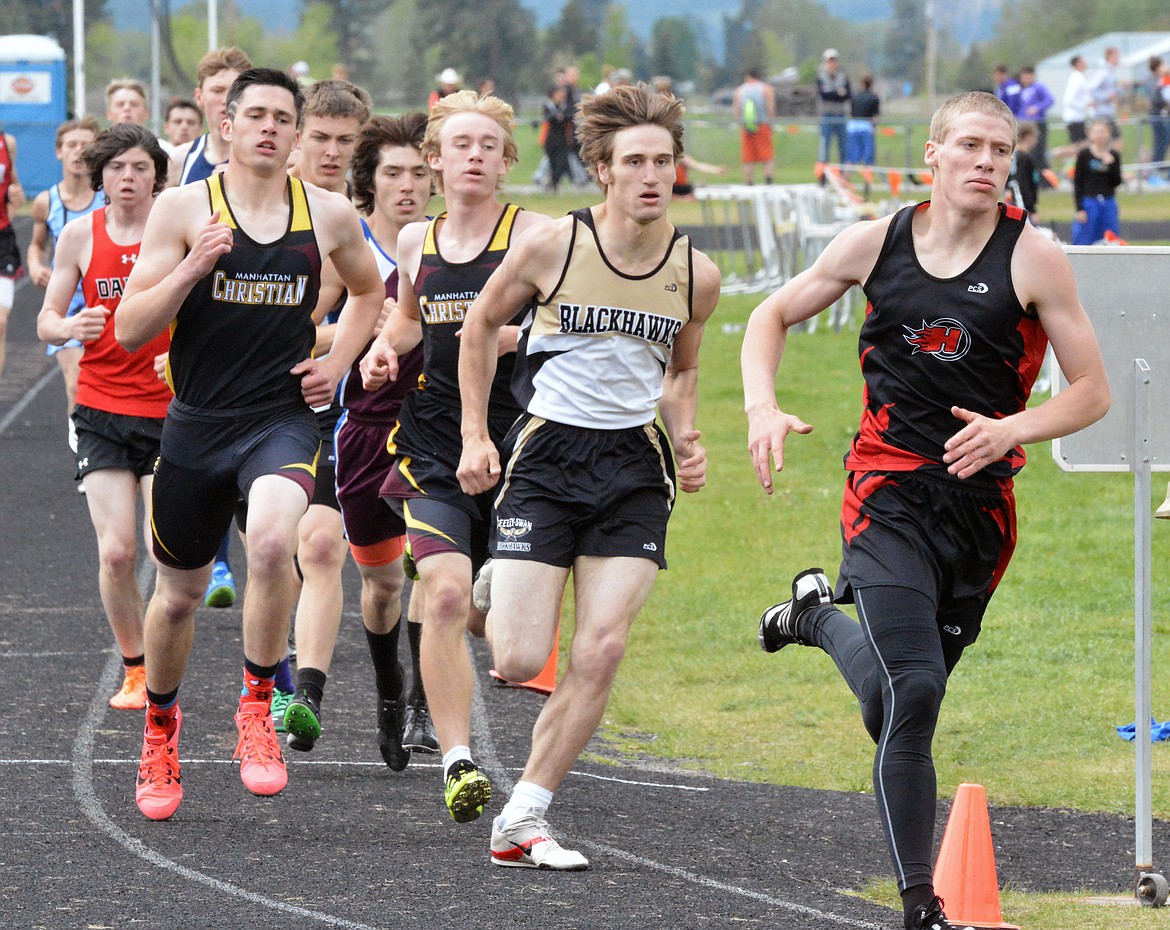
[(527, 843), (481, 591)]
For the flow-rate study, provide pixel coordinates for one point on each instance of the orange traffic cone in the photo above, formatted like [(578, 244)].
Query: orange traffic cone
[(964, 876), (895, 179), (545, 682)]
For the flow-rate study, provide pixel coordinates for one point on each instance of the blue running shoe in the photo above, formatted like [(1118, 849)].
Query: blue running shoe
[(221, 590)]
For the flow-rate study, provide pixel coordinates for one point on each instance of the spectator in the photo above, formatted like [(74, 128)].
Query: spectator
[(1105, 91), (864, 110), (1095, 181), (1023, 184), (755, 107), (1158, 90), (449, 82), (1007, 88), (555, 129), (1077, 100), (833, 93), (1035, 101)]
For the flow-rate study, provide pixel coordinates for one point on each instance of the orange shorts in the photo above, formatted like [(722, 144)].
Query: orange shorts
[(756, 146)]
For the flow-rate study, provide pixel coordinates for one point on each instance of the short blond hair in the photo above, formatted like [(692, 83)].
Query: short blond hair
[(338, 98), (972, 102), (231, 58), (468, 101), (125, 84)]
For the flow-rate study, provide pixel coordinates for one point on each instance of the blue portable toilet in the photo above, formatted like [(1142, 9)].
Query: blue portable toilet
[(32, 105)]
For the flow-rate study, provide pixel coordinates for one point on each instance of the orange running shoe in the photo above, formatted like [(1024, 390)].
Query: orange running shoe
[(160, 789), (262, 767), (132, 695)]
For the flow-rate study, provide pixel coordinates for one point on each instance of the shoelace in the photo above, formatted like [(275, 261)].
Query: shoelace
[(257, 741), (422, 716), (159, 765)]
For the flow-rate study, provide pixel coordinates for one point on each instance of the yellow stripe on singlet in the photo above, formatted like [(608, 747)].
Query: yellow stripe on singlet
[(301, 221)]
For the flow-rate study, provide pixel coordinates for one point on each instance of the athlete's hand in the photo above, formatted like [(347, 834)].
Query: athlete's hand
[(213, 241), (692, 462), (160, 365), (87, 324), (766, 432), (379, 365), (479, 466), (40, 275), (978, 444), (318, 381)]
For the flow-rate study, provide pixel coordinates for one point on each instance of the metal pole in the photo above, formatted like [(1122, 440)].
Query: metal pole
[(155, 57), (212, 25), (931, 55), (1143, 630), (79, 58)]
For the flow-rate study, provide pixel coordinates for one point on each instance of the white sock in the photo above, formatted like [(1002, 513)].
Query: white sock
[(526, 796), (453, 755)]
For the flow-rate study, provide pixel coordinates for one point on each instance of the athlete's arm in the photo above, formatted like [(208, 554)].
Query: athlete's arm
[(681, 382), (846, 261), (171, 261), (358, 273), (1044, 281), (402, 329), (327, 299), (15, 188), (529, 262), (177, 159), (41, 246), (73, 256)]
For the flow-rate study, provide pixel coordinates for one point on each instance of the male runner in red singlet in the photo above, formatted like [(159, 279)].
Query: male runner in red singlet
[(963, 296), (240, 258), (588, 479), (120, 400), (11, 195), (442, 265)]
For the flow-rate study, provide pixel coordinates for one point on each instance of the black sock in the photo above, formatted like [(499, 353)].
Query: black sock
[(387, 670), (259, 671), (311, 683), (162, 701), (414, 633), (128, 662), (914, 897)]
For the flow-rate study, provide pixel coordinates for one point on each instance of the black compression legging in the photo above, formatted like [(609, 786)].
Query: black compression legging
[(896, 665)]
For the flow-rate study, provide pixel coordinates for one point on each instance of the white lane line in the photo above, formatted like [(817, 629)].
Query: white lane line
[(28, 398), (83, 791), (486, 750)]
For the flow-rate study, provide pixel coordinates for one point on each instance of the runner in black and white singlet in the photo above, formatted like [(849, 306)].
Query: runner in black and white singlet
[(962, 296), (588, 480), (200, 158), (240, 255), (442, 265)]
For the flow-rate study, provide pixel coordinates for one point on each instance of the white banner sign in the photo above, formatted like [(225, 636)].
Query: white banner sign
[(26, 87)]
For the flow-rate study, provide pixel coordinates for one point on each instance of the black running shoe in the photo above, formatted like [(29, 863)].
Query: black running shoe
[(418, 732), (931, 917), (302, 722), (390, 721), (778, 624)]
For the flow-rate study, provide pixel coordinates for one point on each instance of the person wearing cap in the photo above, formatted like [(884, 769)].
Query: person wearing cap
[(833, 93), (449, 82)]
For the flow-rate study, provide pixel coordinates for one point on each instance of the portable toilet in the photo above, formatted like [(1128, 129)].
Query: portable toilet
[(32, 105)]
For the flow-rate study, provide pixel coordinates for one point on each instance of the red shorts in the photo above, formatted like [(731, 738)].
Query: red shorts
[(756, 146)]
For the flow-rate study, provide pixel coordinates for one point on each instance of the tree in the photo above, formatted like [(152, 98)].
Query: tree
[(675, 50), (617, 41), (350, 20), (906, 42), (572, 33)]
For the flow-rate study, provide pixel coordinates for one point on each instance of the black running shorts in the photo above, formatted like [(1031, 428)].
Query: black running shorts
[(569, 491), (115, 440)]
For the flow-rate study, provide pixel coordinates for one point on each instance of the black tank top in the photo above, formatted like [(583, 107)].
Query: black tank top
[(928, 343), (247, 323), (429, 421)]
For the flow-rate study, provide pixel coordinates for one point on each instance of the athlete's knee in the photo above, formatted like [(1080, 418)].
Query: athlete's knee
[(270, 553), (448, 600), (118, 556), (174, 603), (382, 585), (518, 658), (919, 694), (322, 551)]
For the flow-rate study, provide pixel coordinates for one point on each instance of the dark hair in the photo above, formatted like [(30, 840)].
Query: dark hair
[(182, 103), (85, 122), (406, 131), (602, 116), (1072, 62), (118, 139), (264, 77), (1155, 62)]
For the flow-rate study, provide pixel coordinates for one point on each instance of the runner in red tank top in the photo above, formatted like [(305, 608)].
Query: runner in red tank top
[(11, 194), (120, 400)]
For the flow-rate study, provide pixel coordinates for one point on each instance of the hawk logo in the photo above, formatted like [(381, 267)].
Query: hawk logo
[(979, 288), (510, 532), (945, 339)]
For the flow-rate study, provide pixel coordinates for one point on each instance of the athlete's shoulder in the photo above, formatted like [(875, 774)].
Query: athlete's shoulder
[(40, 206), (526, 219)]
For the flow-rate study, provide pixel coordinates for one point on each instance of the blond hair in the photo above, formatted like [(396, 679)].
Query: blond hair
[(231, 58), (468, 101), (125, 84), (338, 98), (602, 116), (971, 102)]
